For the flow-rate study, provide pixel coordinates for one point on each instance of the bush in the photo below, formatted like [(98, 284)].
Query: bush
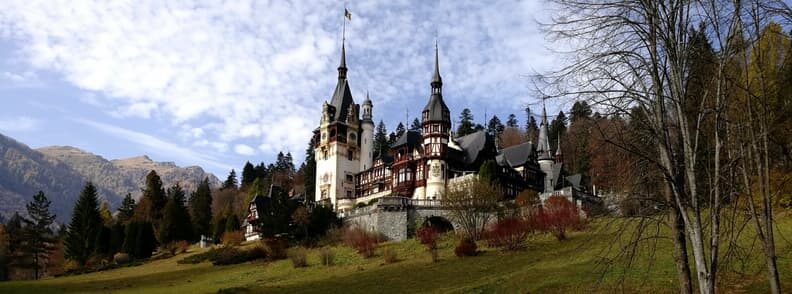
[(176, 247), (231, 255), (363, 241), (276, 248), (233, 238), (466, 247), (428, 237), (326, 256), (121, 258), (389, 255), (509, 233), (299, 257), (225, 256), (559, 215), (258, 252)]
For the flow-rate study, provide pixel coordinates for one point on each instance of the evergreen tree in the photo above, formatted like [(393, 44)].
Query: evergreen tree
[(117, 237), (531, 126), (557, 128), (309, 180), (580, 110), (201, 209), (4, 253), (15, 255), (231, 180), (478, 127), (248, 174), (40, 238), (400, 130), (84, 226), (465, 123), (416, 124), (127, 209), (232, 223), (512, 121), (103, 241), (145, 241), (495, 127), (381, 140), (176, 224), (488, 172), (130, 237), (219, 227), (153, 200)]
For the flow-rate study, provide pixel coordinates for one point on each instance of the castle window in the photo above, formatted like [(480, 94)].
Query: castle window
[(352, 137), (350, 154), (349, 178)]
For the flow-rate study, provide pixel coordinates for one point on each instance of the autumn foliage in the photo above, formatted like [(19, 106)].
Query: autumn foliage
[(364, 242), (427, 235), (558, 216), (510, 233)]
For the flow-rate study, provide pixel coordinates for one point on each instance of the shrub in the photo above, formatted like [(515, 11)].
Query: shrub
[(258, 252), (121, 258), (427, 235), (466, 247), (326, 256), (225, 256), (363, 241), (509, 233), (557, 216), (389, 255), (176, 247), (231, 255), (298, 257), (232, 238), (276, 248)]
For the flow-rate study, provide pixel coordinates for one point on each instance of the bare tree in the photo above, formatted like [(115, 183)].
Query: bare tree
[(472, 204)]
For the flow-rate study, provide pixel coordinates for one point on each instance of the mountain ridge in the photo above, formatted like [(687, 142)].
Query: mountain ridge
[(61, 172)]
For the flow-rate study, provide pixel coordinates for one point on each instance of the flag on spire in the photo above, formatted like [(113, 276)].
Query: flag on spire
[(347, 14)]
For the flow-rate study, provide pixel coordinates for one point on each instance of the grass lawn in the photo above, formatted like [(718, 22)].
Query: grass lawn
[(545, 266)]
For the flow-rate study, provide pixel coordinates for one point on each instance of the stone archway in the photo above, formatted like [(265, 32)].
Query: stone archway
[(440, 223)]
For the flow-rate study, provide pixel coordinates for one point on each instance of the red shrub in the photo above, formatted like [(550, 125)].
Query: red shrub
[(509, 233), (466, 247), (428, 236), (363, 241), (557, 216)]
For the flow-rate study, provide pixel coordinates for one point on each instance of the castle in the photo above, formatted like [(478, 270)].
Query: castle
[(421, 164)]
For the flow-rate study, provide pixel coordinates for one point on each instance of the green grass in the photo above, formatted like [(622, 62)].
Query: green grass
[(545, 266)]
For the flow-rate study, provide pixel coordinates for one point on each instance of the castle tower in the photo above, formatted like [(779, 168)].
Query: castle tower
[(545, 159), (367, 136), (338, 145), (436, 124)]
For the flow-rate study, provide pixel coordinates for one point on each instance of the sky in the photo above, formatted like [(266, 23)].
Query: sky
[(218, 83)]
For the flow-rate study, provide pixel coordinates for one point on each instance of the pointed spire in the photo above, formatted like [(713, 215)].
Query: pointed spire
[(436, 77), (558, 146), (342, 69), (543, 142)]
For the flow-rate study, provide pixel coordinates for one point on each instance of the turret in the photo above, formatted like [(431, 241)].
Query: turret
[(545, 158), (436, 124), (367, 135)]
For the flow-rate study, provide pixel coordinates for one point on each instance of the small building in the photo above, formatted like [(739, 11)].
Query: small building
[(256, 208)]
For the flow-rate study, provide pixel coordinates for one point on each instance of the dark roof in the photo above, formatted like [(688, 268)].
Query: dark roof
[(556, 173), (575, 180), (438, 111), (410, 137), (342, 100), (472, 144), (516, 155)]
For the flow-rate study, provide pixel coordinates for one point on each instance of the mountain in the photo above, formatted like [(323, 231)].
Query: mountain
[(61, 172)]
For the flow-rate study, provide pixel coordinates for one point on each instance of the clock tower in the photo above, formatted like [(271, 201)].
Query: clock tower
[(436, 124)]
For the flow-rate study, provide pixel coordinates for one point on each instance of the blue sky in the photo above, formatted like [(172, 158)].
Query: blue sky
[(216, 83)]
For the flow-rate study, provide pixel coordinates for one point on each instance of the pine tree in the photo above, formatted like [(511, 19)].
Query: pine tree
[(231, 181), (248, 174), (40, 239), (219, 227), (531, 127), (381, 140), (201, 209), (232, 223), (580, 110), (309, 180), (416, 124), (84, 226), (400, 130), (465, 123), (4, 252), (127, 209), (130, 237), (16, 256), (557, 128), (145, 241), (512, 121), (495, 127), (176, 224), (153, 200)]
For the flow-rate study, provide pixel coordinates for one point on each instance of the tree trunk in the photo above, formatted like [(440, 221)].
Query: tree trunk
[(680, 249)]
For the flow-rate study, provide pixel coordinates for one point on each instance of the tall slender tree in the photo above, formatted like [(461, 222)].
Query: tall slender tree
[(231, 180), (84, 226), (512, 122), (381, 140), (40, 238), (127, 209), (310, 172), (248, 174), (201, 209), (465, 125), (176, 224)]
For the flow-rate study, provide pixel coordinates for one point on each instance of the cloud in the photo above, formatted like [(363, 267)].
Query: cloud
[(25, 79), (19, 124), (243, 149), (257, 72), (156, 145)]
